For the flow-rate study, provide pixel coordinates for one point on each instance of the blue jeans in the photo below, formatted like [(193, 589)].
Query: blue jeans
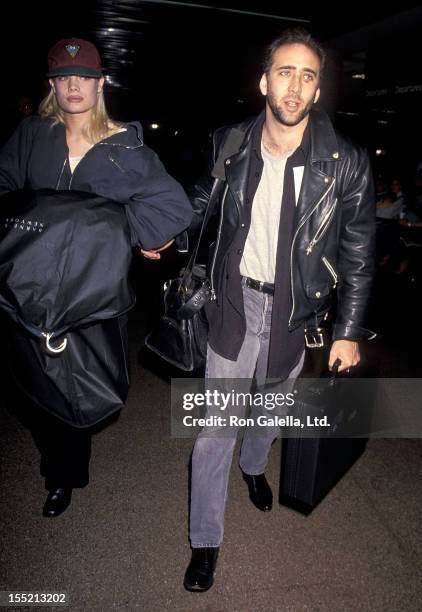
[(213, 451)]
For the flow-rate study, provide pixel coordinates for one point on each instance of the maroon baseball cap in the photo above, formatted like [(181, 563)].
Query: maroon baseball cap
[(74, 56)]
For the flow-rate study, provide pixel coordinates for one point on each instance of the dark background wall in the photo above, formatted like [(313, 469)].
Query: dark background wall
[(190, 68)]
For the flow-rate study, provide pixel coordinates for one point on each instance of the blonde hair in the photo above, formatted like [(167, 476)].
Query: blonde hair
[(99, 127)]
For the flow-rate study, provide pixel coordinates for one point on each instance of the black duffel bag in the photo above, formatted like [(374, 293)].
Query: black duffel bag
[(64, 261), (180, 338)]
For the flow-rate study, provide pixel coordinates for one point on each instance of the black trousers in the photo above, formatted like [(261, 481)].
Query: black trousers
[(65, 451)]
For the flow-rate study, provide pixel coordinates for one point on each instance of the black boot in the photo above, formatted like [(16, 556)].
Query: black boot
[(57, 501), (200, 573), (260, 492)]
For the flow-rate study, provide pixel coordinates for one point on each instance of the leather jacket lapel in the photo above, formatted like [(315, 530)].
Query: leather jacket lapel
[(237, 167), (314, 185), (319, 170), (237, 174)]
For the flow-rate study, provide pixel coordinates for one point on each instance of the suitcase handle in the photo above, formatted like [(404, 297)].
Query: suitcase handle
[(335, 367), (334, 372)]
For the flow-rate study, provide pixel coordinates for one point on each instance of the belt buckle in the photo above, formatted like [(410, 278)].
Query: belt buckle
[(260, 285), (253, 284), (314, 339)]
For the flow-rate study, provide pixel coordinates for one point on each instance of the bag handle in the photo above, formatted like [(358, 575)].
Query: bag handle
[(231, 146), (334, 372)]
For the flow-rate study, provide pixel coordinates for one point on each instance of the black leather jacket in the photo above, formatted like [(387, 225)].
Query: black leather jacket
[(333, 243)]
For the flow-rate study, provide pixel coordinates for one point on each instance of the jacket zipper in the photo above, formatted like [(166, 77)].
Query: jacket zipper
[(104, 144), (294, 239), (331, 271), (116, 144), (71, 179), (335, 278), (111, 158), (322, 229), (213, 296), (60, 175)]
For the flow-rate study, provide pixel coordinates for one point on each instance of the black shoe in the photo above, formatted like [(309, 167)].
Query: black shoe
[(201, 569), (57, 501), (260, 492)]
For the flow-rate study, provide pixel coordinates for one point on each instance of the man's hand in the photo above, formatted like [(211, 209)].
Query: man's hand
[(155, 253), (345, 350)]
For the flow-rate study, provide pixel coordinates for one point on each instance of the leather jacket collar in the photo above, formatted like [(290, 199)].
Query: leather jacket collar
[(323, 140), (324, 144)]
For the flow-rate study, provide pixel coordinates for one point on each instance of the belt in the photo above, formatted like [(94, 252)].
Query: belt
[(314, 338), (259, 285)]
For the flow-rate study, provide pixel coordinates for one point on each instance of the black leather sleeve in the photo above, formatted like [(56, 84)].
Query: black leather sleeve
[(356, 256)]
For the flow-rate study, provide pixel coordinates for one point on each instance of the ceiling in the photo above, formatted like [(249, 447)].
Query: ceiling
[(159, 40), (191, 63)]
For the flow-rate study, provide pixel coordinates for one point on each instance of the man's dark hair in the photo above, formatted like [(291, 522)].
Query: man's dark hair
[(293, 36)]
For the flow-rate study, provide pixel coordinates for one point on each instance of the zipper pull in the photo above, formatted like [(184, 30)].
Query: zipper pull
[(213, 296), (310, 247)]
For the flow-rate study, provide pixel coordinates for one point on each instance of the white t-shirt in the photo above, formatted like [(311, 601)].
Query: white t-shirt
[(73, 162), (260, 251)]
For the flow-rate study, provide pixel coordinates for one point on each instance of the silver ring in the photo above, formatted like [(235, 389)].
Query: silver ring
[(54, 349)]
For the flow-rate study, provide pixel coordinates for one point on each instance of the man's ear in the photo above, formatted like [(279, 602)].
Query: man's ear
[(263, 84), (318, 91)]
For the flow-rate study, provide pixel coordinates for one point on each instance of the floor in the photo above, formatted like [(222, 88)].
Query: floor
[(122, 544)]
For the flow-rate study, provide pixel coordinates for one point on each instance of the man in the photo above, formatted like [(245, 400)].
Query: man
[(296, 220)]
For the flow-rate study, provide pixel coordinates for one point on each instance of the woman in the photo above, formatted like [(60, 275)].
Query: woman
[(73, 145)]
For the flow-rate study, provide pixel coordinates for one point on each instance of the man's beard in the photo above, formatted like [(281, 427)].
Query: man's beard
[(280, 115)]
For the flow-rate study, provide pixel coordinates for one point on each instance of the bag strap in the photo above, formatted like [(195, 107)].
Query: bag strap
[(231, 146)]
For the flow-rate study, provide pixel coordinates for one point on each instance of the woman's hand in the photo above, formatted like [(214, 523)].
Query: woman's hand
[(155, 253)]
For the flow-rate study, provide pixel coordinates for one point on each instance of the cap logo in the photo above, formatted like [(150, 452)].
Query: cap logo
[(73, 50)]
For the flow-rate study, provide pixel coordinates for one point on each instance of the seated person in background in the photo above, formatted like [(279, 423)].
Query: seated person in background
[(380, 189), (391, 205), (412, 213)]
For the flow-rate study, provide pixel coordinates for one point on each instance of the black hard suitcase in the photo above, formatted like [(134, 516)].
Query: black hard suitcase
[(311, 467)]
